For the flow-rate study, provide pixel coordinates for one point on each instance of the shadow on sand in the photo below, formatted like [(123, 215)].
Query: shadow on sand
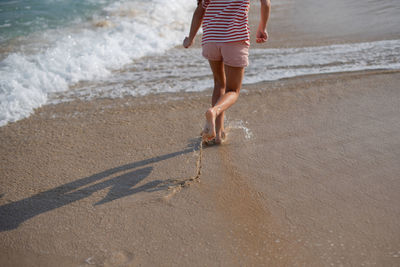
[(15, 213)]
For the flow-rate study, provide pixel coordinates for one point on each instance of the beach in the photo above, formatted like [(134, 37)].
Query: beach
[(308, 174)]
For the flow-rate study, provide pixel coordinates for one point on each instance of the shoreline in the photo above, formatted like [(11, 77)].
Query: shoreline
[(286, 31), (92, 183), (172, 97), (308, 174)]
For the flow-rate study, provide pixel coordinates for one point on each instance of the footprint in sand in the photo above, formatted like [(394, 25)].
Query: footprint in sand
[(119, 258)]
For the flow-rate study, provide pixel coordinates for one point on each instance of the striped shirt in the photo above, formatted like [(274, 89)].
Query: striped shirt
[(225, 21)]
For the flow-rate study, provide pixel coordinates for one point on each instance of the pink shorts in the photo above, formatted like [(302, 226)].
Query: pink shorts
[(234, 54)]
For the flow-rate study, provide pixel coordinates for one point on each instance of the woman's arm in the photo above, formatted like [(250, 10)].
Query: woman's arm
[(196, 23), (262, 33)]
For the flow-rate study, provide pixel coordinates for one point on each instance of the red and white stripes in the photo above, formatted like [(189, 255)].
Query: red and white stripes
[(225, 21)]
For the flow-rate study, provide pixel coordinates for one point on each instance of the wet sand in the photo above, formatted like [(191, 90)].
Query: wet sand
[(308, 176), (323, 22)]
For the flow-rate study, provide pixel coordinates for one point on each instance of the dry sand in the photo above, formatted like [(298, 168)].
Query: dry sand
[(309, 176)]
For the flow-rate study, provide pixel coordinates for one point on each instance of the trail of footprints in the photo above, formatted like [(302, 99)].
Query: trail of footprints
[(175, 185)]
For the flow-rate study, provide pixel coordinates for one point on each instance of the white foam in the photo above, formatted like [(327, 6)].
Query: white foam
[(187, 71), (273, 64), (132, 29), (239, 124), (57, 59)]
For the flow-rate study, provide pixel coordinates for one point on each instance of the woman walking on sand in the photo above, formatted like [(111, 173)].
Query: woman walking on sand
[(225, 44)]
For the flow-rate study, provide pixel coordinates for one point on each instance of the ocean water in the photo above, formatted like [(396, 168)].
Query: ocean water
[(187, 71), (60, 50), (22, 17)]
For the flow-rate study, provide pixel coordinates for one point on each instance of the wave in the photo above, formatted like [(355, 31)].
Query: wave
[(120, 52), (55, 59), (187, 71)]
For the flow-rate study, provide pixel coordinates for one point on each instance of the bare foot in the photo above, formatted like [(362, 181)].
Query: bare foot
[(209, 130), (220, 138)]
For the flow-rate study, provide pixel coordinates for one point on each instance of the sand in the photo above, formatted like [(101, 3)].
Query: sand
[(309, 175)]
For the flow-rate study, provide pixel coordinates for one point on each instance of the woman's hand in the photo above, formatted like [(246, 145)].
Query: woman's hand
[(187, 42), (262, 36)]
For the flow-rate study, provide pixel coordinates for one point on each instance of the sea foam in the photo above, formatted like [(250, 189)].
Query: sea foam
[(55, 59), (120, 52), (182, 70)]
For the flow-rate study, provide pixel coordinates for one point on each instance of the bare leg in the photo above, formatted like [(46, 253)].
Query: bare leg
[(234, 78), (218, 70)]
